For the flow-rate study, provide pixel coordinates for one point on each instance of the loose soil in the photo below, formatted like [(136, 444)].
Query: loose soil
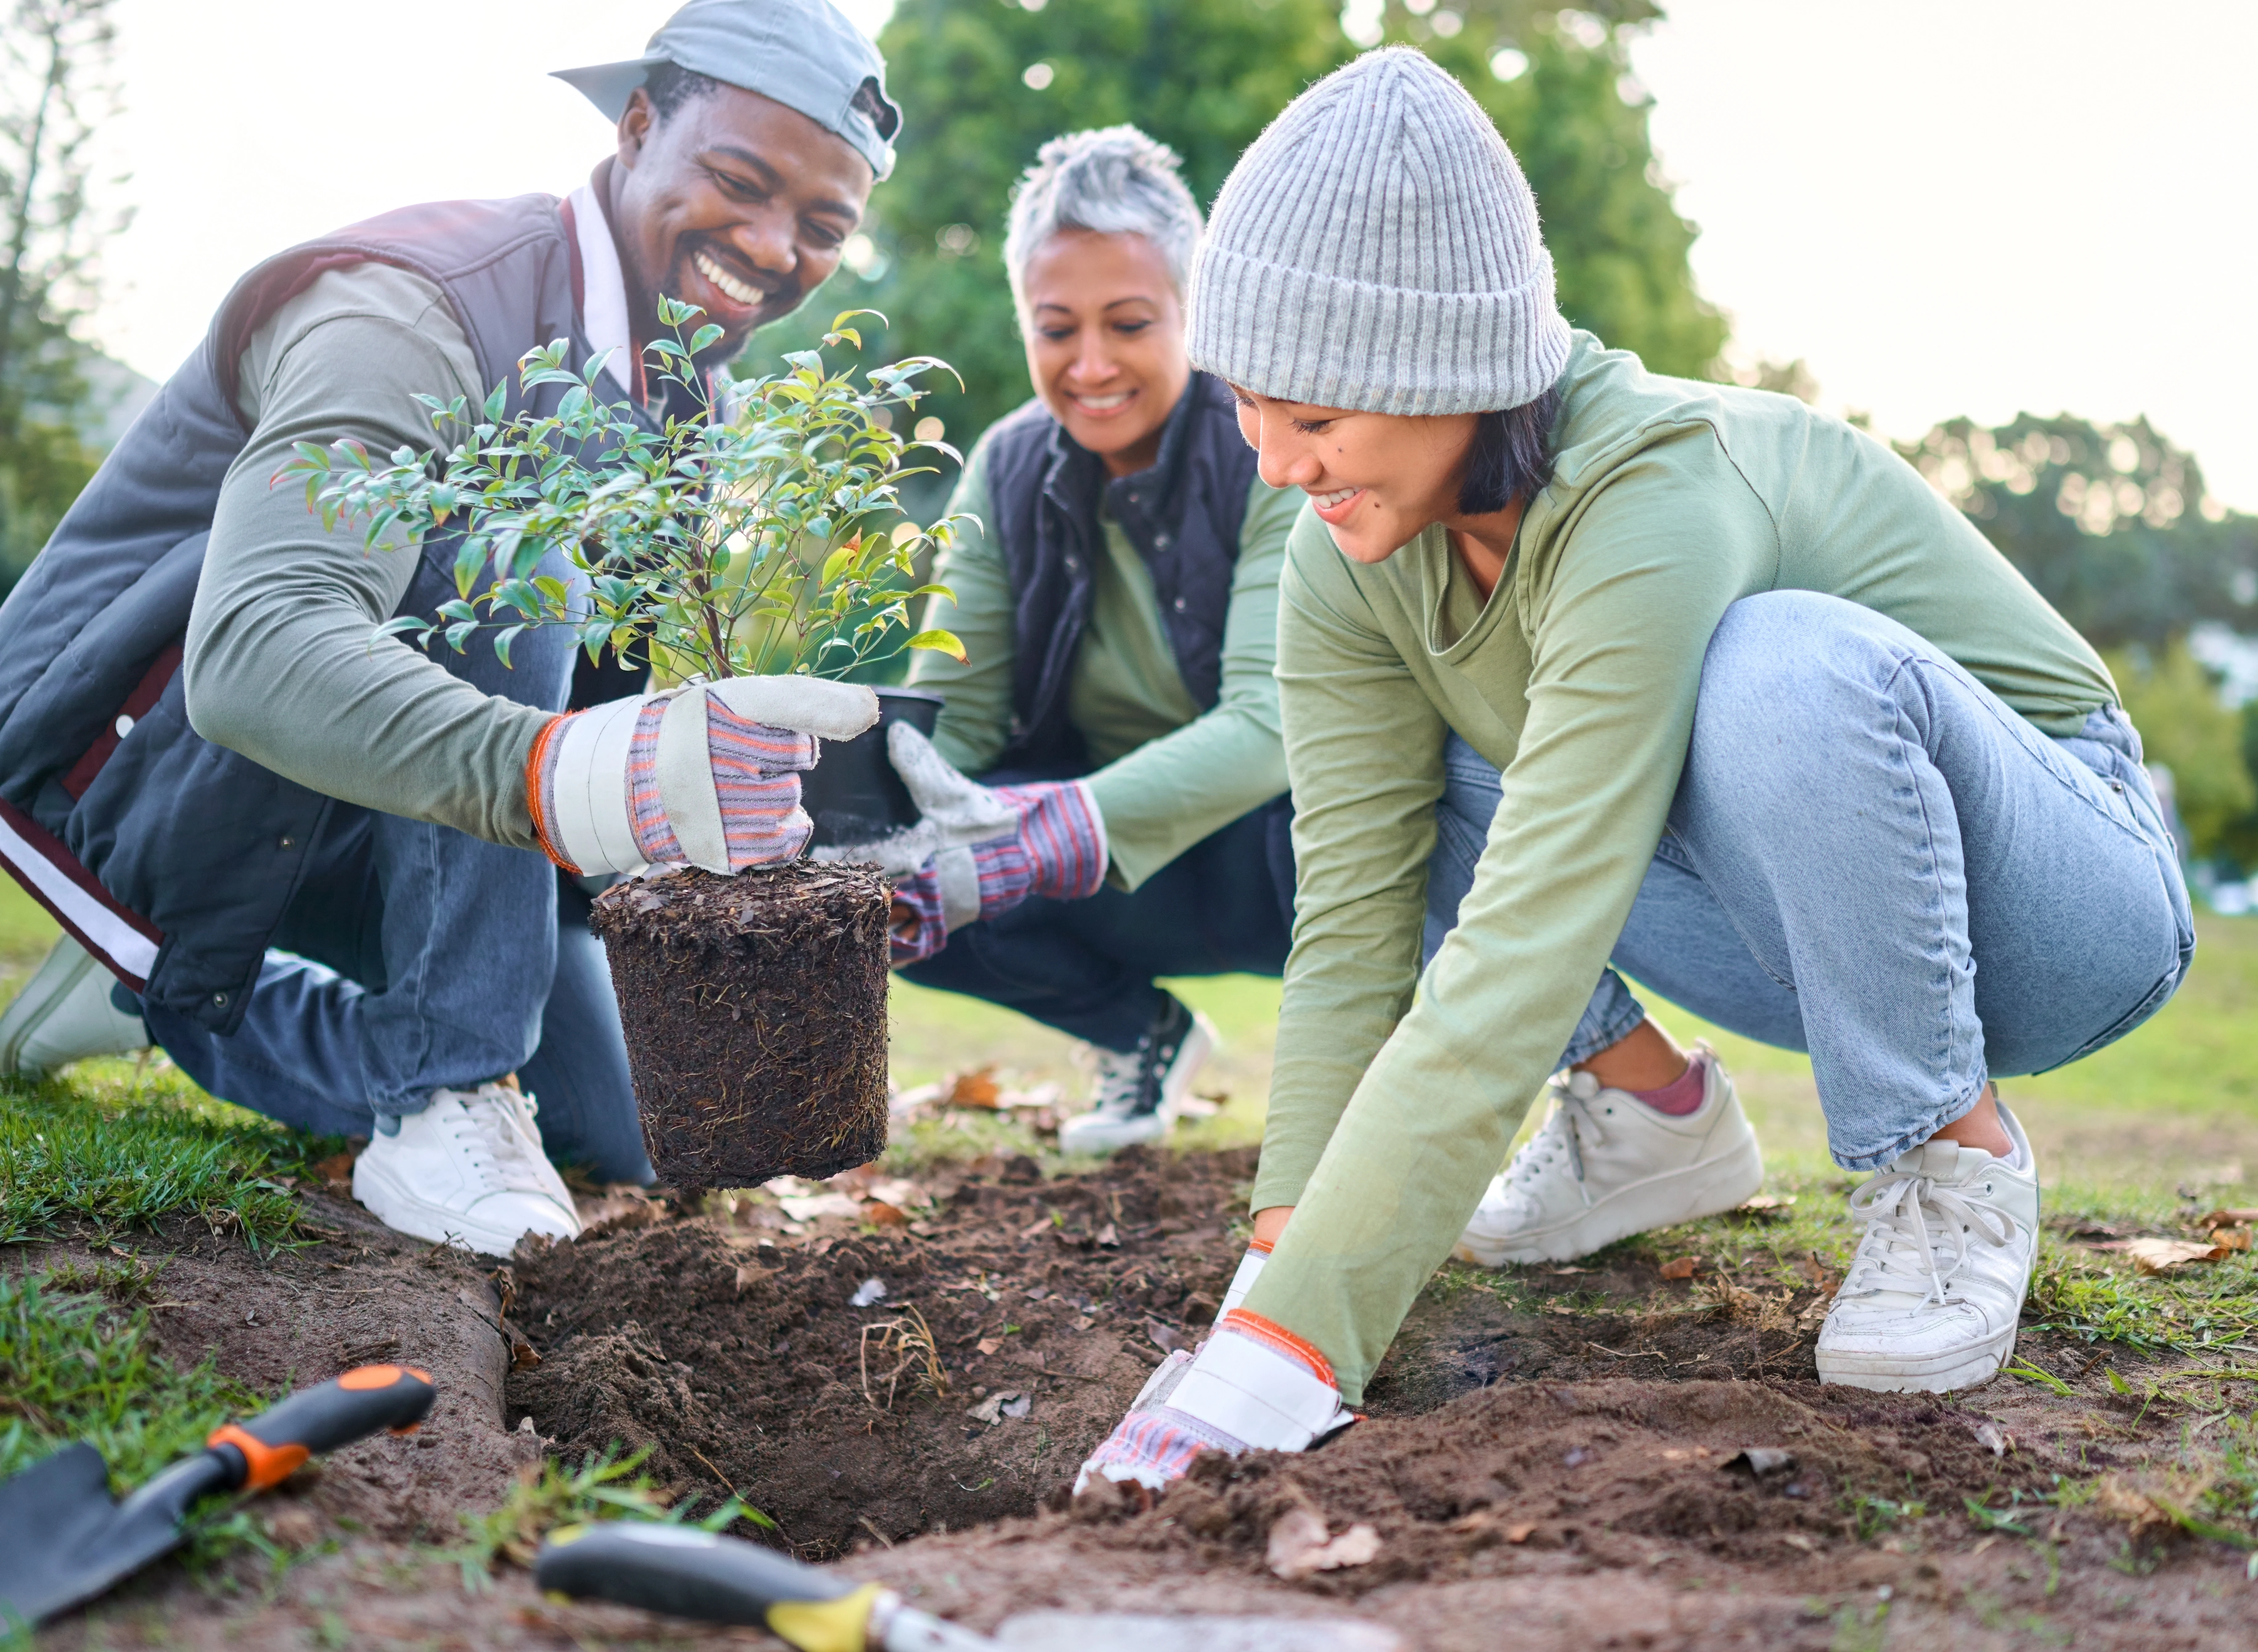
[(1561, 1462), (755, 1010)]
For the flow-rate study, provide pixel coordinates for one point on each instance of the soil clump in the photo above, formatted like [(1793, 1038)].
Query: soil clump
[(755, 1012)]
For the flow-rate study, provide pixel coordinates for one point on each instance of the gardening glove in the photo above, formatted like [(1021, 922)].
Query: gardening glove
[(975, 850), (1253, 1385), (706, 774)]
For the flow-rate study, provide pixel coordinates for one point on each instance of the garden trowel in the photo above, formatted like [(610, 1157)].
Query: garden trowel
[(694, 1574), (63, 1540)]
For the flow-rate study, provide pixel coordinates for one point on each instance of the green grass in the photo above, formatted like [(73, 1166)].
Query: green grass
[(74, 1366), (114, 1149)]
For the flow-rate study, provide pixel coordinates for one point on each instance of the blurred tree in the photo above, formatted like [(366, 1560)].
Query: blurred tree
[(2173, 700), (983, 83), (56, 83), (2239, 838), (2111, 523)]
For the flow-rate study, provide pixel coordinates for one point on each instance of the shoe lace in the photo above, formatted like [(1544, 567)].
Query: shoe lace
[(1909, 1218), (504, 1126), (1120, 1080), (1562, 1138)]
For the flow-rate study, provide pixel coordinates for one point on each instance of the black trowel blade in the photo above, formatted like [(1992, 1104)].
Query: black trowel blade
[(63, 1538)]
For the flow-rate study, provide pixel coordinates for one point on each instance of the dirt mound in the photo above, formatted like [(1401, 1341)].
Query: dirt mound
[(997, 1348), (1610, 1470)]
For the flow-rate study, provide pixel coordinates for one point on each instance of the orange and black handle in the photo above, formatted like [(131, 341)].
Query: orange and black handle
[(270, 1447)]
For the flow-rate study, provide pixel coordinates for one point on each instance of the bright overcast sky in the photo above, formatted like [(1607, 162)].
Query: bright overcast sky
[(1943, 206)]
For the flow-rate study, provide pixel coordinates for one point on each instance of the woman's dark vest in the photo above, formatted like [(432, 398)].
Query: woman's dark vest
[(113, 810), (1183, 515)]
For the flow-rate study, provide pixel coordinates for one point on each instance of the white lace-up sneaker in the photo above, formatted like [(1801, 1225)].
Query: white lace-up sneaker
[(64, 1015), (1606, 1166), (1140, 1095), (1935, 1291), (467, 1170)]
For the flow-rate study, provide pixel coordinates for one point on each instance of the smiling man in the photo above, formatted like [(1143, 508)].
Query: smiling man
[(309, 860)]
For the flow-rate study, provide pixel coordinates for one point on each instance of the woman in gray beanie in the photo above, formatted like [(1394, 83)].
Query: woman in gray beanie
[(1697, 682)]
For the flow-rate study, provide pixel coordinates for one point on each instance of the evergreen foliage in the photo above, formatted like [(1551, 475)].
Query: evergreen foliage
[(55, 87), (983, 84)]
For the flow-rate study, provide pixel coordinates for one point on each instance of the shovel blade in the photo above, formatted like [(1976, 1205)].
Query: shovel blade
[(1130, 1632), (64, 1540), (49, 1514)]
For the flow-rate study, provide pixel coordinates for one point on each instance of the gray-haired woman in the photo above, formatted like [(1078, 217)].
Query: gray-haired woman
[(1712, 686), (1119, 614)]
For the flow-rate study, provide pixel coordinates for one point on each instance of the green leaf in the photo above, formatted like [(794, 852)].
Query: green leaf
[(497, 403), (940, 642), (705, 338)]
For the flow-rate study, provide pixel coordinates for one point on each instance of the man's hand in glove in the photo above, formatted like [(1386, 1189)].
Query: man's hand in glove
[(975, 850), (707, 775), (1253, 1385)]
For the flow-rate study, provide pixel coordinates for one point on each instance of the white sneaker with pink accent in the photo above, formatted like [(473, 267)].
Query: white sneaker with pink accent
[(1606, 1166)]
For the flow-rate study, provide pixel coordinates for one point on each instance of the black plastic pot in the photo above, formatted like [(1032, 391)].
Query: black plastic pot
[(853, 794)]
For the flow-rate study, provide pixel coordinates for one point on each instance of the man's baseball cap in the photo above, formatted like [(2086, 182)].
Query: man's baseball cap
[(804, 53)]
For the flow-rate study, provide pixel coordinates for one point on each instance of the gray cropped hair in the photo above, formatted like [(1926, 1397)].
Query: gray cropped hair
[(1113, 181)]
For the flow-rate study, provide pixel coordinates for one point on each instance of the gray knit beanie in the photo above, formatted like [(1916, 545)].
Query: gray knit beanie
[(1377, 250)]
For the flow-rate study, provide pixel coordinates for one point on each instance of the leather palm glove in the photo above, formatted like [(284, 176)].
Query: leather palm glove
[(707, 775), (978, 851), (1253, 1385)]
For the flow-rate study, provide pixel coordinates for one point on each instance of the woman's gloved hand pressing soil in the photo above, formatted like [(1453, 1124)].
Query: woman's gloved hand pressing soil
[(975, 850), (707, 775), (1253, 1385)]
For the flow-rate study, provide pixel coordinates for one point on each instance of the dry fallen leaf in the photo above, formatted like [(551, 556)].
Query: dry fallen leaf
[(336, 1170), (2161, 1256), (1107, 1236), (2231, 1238), (988, 1345), (2215, 1219), (884, 1215), (976, 1089), (1682, 1267), (1299, 1546), (1520, 1531), (1989, 1435)]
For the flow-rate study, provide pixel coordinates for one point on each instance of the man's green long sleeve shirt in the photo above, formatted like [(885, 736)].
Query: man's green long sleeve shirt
[(1169, 774), (279, 664), (1671, 500)]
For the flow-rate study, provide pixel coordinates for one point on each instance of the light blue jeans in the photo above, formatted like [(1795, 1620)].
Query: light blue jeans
[(423, 959), (1872, 858)]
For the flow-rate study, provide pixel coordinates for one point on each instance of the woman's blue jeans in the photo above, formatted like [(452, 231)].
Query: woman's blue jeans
[(1872, 858), (420, 958)]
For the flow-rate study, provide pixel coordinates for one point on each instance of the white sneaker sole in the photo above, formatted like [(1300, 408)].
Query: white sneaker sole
[(1097, 1135), (1939, 1373), (401, 1210), (1708, 1188)]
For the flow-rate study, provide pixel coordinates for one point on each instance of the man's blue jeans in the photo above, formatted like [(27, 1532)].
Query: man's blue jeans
[(1872, 858), (417, 957), (1087, 966)]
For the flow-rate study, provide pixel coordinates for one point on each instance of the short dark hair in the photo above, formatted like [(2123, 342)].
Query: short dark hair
[(1512, 454), (670, 85)]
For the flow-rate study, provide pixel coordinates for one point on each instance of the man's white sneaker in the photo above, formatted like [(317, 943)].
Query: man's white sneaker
[(1140, 1093), (64, 1015), (467, 1170), (1606, 1166), (1935, 1288)]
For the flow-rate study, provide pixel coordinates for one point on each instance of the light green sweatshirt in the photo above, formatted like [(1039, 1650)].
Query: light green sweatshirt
[(1671, 500), (1169, 775)]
